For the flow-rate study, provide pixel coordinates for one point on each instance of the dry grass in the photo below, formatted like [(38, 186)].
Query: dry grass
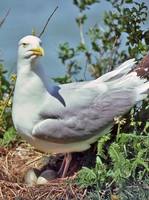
[(15, 162), (58, 190)]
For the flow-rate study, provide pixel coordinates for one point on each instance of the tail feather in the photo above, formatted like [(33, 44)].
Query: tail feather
[(142, 91), (134, 83), (126, 64), (122, 70), (121, 78), (131, 80)]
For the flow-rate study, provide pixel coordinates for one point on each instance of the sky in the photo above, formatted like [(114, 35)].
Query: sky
[(32, 14)]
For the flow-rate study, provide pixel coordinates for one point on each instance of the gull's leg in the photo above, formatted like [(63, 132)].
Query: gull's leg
[(60, 171), (68, 158), (65, 165)]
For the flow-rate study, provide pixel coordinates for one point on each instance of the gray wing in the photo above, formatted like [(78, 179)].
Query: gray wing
[(86, 121)]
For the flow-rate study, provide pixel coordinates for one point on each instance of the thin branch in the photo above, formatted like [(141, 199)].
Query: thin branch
[(3, 20), (81, 34), (85, 70), (44, 28)]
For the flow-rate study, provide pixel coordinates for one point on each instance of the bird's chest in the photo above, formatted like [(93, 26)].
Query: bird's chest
[(27, 103), (24, 117)]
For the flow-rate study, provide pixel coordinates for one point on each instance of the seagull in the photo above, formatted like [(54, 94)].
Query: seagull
[(69, 117)]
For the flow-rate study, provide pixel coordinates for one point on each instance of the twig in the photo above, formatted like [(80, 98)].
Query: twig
[(85, 70), (113, 50), (33, 161), (43, 30), (73, 192), (3, 20), (1, 194), (81, 34), (84, 194)]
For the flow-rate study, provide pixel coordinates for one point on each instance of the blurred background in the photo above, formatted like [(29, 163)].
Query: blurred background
[(27, 15)]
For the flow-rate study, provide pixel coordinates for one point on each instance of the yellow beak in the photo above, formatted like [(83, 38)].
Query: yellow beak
[(39, 51)]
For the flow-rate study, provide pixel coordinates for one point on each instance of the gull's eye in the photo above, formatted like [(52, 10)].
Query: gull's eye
[(24, 44)]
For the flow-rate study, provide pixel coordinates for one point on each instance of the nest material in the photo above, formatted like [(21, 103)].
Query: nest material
[(15, 162), (59, 190)]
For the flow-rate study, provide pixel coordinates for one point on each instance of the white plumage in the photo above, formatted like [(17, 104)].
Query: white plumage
[(69, 117)]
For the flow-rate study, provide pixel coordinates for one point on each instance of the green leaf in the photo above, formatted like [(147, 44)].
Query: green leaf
[(8, 137)]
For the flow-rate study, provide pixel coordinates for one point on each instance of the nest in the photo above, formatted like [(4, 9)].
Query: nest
[(52, 191), (15, 162)]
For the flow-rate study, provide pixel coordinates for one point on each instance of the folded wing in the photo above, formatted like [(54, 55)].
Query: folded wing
[(91, 107)]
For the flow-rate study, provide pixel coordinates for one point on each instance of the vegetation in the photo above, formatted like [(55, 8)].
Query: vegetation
[(103, 48), (7, 132), (122, 165)]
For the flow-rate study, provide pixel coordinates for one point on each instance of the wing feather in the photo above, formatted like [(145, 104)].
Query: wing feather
[(91, 108), (86, 122)]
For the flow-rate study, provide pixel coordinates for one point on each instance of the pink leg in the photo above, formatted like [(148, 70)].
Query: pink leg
[(65, 165), (60, 171)]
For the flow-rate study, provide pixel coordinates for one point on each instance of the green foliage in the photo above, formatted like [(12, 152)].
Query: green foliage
[(122, 37), (3, 82), (7, 132), (62, 80), (124, 167), (9, 137), (83, 4), (122, 164), (66, 52), (127, 166), (87, 177)]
